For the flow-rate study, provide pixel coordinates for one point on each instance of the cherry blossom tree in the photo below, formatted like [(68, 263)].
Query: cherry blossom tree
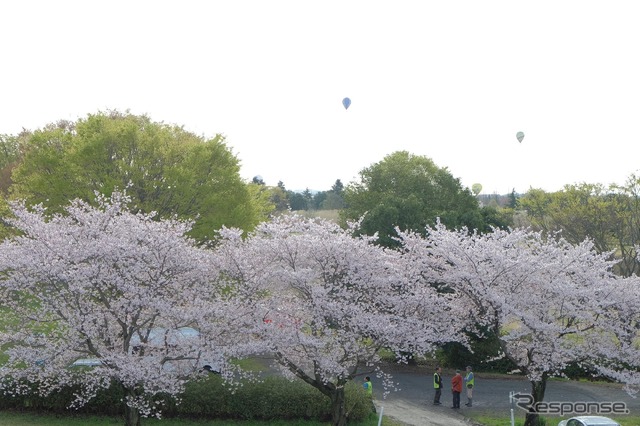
[(116, 290), (539, 295), (326, 302), (618, 351)]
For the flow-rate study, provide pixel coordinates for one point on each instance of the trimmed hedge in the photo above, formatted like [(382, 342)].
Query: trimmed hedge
[(108, 402), (274, 398)]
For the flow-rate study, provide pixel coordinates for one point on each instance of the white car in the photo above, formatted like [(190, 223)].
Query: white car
[(157, 337), (588, 421)]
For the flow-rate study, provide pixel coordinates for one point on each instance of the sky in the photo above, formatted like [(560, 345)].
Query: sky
[(450, 80)]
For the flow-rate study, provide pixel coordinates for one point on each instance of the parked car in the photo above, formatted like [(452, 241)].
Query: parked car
[(157, 337), (589, 421)]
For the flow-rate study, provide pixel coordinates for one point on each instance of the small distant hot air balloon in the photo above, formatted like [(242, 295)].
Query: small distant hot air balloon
[(520, 136), (346, 102)]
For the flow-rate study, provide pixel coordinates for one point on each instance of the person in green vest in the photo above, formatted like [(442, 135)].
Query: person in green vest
[(368, 386), (469, 382), (437, 385)]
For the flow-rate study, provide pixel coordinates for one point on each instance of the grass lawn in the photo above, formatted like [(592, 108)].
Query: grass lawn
[(28, 419), (332, 215), (491, 420)]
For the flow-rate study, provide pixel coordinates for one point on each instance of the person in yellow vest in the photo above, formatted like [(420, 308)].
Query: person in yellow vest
[(437, 385), (368, 386), (469, 382)]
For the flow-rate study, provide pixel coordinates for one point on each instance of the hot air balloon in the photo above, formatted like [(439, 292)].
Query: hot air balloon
[(520, 136), (346, 102)]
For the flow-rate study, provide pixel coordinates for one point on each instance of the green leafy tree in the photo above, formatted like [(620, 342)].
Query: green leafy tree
[(297, 201), (308, 198), (579, 211), (317, 200), (502, 218), (513, 199), (332, 201), (329, 200), (338, 187), (279, 197), (262, 198), (11, 152), (627, 231), (5, 228), (8, 149), (608, 216), (409, 192), (536, 203), (164, 168), (12, 147)]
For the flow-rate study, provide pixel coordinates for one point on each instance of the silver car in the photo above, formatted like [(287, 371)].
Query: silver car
[(588, 421), (157, 337)]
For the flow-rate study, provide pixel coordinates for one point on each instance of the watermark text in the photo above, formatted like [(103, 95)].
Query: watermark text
[(525, 402)]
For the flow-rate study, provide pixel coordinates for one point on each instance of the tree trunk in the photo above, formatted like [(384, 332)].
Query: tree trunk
[(338, 407), (131, 414), (537, 392), (335, 392)]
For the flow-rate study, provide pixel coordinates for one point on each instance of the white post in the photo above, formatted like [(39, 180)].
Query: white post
[(513, 420), (380, 419)]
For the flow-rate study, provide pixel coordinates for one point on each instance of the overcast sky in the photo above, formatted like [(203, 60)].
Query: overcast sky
[(450, 80)]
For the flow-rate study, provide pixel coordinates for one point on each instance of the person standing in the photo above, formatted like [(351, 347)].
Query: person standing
[(437, 385), (469, 383), (368, 386), (456, 389)]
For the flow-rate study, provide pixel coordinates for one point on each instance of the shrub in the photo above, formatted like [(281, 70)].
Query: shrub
[(273, 398), (107, 401), (483, 358)]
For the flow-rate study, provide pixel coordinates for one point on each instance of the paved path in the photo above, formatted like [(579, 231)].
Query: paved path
[(418, 414), (412, 403)]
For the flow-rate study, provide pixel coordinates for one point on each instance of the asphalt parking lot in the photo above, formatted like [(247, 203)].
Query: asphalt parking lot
[(492, 394)]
